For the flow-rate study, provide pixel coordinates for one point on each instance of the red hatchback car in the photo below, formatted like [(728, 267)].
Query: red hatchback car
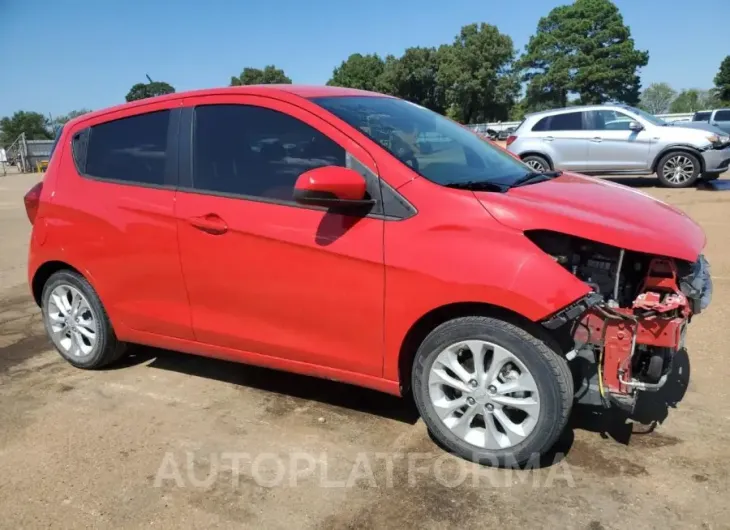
[(358, 237)]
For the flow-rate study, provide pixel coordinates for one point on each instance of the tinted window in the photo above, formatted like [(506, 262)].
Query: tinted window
[(701, 116), (608, 120), (542, 124), (254, 151), (131, 149), (439, 149), (570, 121), (722, 115)]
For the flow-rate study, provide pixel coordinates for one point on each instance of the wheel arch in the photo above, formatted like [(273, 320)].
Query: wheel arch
[(420, 329), (680, 148), (541, 155), (41, 275)]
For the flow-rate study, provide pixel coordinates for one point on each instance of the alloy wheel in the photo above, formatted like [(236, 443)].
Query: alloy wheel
[(484, 394), (71, 321), (678, 169), (536, 165)]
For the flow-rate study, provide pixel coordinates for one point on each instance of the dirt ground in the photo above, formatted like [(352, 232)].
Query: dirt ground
[(175, 441)]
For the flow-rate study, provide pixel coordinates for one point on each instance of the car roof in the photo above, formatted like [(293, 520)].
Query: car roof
[(576, 108), (283, 91)]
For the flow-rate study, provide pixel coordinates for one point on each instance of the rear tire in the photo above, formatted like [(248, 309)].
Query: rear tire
[(77, 323), (678, 169), (512, 416), (537, 163)]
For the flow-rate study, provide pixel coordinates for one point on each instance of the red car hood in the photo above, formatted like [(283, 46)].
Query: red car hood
[(600, 211)]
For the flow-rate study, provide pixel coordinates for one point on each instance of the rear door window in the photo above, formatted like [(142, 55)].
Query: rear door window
[(722, 115), (130, 149)]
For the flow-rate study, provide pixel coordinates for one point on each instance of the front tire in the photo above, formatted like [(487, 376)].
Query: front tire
[(77, 323), (678, 169), (491, 392)]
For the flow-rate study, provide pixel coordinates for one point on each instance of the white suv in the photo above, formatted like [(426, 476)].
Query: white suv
[(620, 139)]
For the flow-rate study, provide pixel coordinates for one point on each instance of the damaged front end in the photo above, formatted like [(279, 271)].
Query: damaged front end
[(625, 332)]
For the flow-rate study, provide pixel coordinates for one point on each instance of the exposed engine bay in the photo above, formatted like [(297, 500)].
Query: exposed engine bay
[(627, 330)]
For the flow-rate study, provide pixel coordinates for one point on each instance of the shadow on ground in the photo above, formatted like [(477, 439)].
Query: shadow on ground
[(652, 408), (652, 182), (635, 182), (634, 428), (277, 382)]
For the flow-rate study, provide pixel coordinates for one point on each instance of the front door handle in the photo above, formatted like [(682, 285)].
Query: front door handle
[(597, 139), (210, 223)]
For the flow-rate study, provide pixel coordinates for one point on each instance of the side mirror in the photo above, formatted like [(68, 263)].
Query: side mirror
[(333, 187), (635, 126)]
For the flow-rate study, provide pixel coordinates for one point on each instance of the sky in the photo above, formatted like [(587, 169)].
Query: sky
[(61, 55)]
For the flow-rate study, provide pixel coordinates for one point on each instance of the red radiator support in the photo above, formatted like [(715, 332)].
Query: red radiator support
[(660, 312)]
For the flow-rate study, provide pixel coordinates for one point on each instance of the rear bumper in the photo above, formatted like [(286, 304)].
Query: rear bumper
[(716, 160)]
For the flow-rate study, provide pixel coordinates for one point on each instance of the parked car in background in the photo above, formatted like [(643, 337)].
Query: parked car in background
[(620, 139), (719, 118), (483, 130), (505, 133)]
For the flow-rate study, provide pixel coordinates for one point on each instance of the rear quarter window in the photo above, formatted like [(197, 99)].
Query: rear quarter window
[(701, 116), (56, 138), (568, 121)]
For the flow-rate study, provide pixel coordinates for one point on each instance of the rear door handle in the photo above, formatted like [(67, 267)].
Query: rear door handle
[(597, 139), (549, 138), (210, 223)]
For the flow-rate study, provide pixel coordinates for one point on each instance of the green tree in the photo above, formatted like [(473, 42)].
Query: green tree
[(475, 74), (722, 81), (63, 119), (583, 48), (657, 98), (149, 90), (360, 71), (270, 75), (692, 100), (414, 77), (33, 124), (518, 110)]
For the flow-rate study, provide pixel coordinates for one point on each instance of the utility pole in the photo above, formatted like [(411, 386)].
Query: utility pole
[(149, 78)]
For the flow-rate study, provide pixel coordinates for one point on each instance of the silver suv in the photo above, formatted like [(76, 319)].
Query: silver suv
[(620, 139)]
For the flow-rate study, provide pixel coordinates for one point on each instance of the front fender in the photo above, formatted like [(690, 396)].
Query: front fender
[(678, 147), (476, 260)]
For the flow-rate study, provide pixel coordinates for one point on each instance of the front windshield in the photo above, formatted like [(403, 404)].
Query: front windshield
[(648, 117), (437, 148)]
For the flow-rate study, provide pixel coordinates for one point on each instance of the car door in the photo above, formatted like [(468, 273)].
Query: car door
[(264, 274), (613, 146), (564, 139), (119, 220), (721, 120)]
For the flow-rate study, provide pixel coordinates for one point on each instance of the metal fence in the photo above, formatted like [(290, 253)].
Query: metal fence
[(502, 125), (27, 155)]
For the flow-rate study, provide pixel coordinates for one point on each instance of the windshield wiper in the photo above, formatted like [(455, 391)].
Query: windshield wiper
[(535, 177), (476, 185)]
